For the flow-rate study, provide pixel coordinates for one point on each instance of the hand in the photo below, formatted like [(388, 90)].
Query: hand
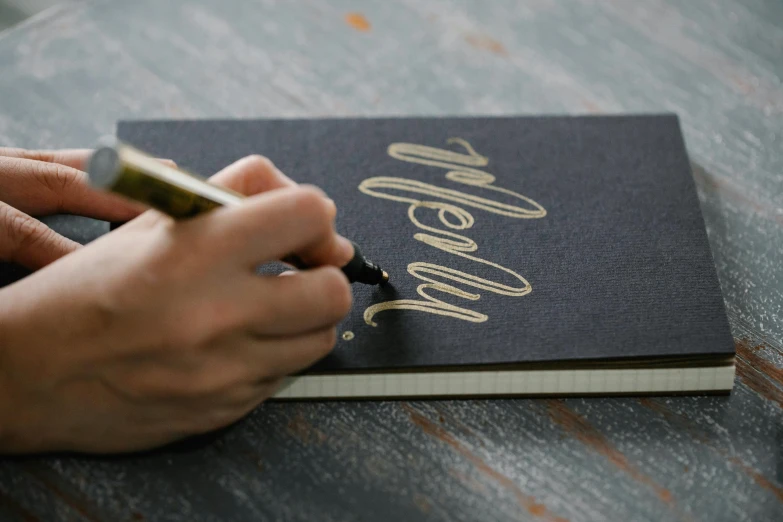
[(161, 329), (47, 182)]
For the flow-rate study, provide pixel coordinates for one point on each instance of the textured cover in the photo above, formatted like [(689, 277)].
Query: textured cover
[(598, 216)]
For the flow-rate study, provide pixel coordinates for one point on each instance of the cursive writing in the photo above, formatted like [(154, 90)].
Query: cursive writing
[(461, 169)]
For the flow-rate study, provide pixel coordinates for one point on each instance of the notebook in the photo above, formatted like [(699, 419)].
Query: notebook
[(548, 255)]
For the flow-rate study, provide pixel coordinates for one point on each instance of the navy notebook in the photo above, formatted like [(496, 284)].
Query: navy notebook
[(528, 255)]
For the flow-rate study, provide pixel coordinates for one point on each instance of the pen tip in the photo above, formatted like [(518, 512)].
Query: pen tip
[(385, 277)]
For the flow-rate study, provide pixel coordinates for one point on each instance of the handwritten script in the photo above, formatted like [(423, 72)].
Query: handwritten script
[(450, 207)]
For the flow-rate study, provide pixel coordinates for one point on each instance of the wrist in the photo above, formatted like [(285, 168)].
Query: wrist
[(6, 419), (14, 415)]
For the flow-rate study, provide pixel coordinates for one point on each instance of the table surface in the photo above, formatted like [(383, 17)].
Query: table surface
[(69, 74)]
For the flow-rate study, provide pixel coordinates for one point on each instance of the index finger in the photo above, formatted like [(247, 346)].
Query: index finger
[(273, 225), (74, 158), (255, 175)]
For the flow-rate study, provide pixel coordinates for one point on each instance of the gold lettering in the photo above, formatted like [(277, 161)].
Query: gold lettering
[(460, 171)]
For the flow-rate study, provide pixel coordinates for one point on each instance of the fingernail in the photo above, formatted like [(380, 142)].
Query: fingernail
[(285, 179), (346, 248), (332, 207)]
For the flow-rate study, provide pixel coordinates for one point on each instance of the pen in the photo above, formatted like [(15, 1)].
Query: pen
[(120, 168)]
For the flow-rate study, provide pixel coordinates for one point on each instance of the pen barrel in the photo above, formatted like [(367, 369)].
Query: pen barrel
[(123, 170)]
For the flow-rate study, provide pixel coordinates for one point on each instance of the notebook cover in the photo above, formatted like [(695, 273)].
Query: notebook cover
[(567, 238)]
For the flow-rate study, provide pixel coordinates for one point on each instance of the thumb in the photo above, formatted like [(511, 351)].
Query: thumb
[(28, 242), (252, 175)]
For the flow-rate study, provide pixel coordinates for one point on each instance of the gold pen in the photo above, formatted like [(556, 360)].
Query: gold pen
[(120, 168)]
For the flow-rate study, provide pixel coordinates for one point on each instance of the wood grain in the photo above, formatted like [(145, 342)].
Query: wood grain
[(69, 74)]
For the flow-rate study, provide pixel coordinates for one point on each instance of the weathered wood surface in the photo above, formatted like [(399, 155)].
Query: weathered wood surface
[(69, 75)]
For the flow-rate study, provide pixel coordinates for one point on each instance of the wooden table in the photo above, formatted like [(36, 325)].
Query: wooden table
[(68, 75)]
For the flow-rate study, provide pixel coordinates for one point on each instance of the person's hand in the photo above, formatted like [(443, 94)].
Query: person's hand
[(160, 330), (36, 183)]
